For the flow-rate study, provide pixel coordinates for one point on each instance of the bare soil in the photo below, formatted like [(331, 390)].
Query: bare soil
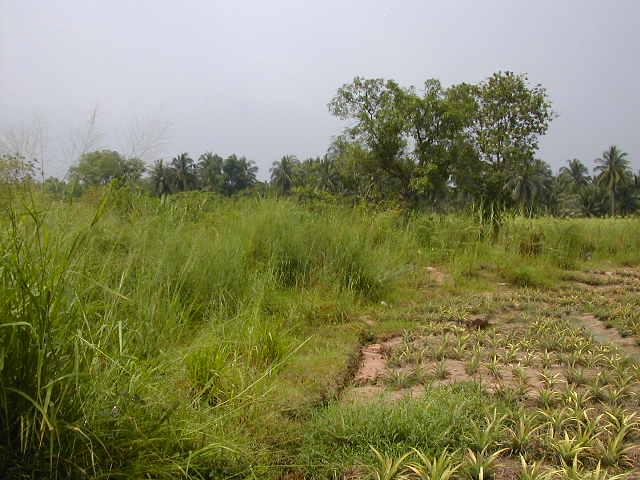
[(603, 334), (438, 277)]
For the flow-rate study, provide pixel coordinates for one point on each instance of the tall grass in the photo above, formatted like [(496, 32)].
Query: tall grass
[(527, 251), (165, 338), (142, 339)]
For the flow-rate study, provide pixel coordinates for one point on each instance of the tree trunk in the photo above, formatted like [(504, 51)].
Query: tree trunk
[(613, 203)]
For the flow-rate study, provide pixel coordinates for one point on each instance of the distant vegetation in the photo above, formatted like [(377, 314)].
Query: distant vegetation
[(435, 148)]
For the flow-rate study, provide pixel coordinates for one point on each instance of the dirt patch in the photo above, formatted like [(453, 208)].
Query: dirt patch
[(372, 361), (508, 468), (606, 282), (501, 378), (436, 275), (372, 364), (609, 335), (479, 321), (364, 393), (454, 369), (622, 273)]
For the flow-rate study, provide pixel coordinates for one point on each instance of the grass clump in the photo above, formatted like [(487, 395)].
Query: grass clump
[(340, 434)]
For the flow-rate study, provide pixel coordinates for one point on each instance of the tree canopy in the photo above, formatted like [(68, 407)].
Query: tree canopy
[(466, 139), (435, 147), (103, 166), (613, 172)]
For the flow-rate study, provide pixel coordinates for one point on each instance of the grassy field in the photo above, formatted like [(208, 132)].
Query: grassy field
[(200, 337)]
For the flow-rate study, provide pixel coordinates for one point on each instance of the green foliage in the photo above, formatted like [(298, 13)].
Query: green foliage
[(437, 421), (15, 169), (465, 147), (467, 140), (284, 173), (210, 173), (380, 125), (185, 172), (387, 468), (531, 183), (163, 323), (511, 117), (55, 187), (592, 201), (614, 171), (200, 336), (480, 465), (439, 467), (576, 173), (210, 370), (103, 166), (238, 173)]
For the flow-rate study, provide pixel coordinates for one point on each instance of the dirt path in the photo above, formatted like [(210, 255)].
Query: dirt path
[(603, 334), (372, 364), (373, 367)]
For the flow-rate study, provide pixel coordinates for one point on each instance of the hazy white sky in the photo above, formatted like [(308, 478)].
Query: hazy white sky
[(254, 77)]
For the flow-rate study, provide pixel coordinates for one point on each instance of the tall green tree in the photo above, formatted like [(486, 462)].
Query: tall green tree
[(628, 198), (352, 170), (54, 186), (185, 169), (613, 171), (436, 120), (468, 139), (529, 183), (576, 172), (379, 124), (239, 174), (162, 177), (511, 117), (103, 166), (284, 173), (321, 173), (593, 200), (210, 172)]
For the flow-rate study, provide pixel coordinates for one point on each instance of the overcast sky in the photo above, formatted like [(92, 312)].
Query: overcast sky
[(254, 77)]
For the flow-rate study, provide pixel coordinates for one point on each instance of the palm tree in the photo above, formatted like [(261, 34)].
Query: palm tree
[(532, 180), (185, 171), (628, 198), (284, 173), (577, 172), (238, 174), (613, 170), (162, 178), (210, 172), (592, 201), (327, 174)]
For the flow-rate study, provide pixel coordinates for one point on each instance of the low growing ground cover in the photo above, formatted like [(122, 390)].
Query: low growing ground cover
[(546, 387)]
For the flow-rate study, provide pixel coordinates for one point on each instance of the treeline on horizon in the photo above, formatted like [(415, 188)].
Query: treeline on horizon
[(436, 148)]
